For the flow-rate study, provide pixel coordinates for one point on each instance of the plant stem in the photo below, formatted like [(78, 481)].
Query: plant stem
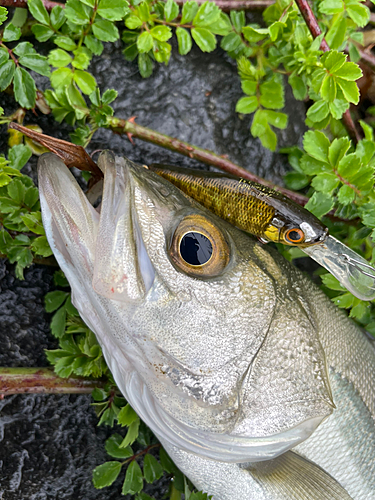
[(43, 381), (128, 127), (315, 30)]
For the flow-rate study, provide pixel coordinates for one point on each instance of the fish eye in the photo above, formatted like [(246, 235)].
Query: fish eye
[(295, 236), (199, 248)]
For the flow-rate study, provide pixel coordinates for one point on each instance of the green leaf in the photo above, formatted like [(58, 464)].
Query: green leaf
[(77, 12), (11, 33), (57, 17), (105, 31), (349, 71), (53, 300), (143, 12), (331, 7), (145, 65), (349, 89), (113, 10), (320, 204), (106, 474), (359, 13), (328, 89), (348, 164), (130, 53), (254, 34), (41, 247), (231, 41), (133, 479), (333, 60), (161, 33), (6, 74), (189, 11), (337, 150), (61, 77), (24, 258), (208, 13), (337, 32), (260, 128), (338, 108), (318, 111), (16, 190), (24, 88), (94, 45), (19, 155), (112, 447), (24, 48), (325, 182), (33, 222), (36, 62), (247, 105), (58, 323), (132, 434), (184, 40), (162, 51), (65, 43), (345, 195), (249, 87), (109, 96), (316, 144), (152, 469), (144, 42), (205, 40), (127, 415), (344, 301), (133, 22), (272, 94), (3, 14), (42, 33), (171, 10), (296, 180), (85, 81), (222, 26), (38, 11), (278, 120), (298, 87), (332, 282)]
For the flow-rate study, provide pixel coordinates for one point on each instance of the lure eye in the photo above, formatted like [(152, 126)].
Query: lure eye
[(295, 236), (199, 248)]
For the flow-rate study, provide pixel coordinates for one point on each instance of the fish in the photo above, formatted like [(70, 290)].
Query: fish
[(256, 385), (252, 207)]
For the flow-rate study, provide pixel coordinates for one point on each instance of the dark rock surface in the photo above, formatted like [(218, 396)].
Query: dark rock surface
[(50, 444)]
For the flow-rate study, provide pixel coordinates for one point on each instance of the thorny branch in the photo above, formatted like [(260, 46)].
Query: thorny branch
[(43, 381), (315, 30)]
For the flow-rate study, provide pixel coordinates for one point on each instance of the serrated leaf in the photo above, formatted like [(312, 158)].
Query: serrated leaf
[(171, 10), (145, 65), (338, 108), (11, 33), (16, 190), (53, 300), (332, 282), (94, 45), (337, 32), (113, 10), (85, 81), (247, 105), (298, 87), (189, 11), (109, 96), (316, 144), (19, 155), (144, 42), (24, 88), (325, 182), (40, 246), (344, 301), (162, 51), (296, 180), (333, 60), (276, 119), (133, 22), (205, 40), (349, 89), (337, 150), (161, 33), (349, 71), (133, 479), (42, 33), (348, 164), (112, 447), (106, 474), (320, 204), (208, 13), (143, 12), (152, 469), (58, 323), (359, 13), (105, 30), (127, 415), (254, 34), (131, 435), (57, 17), (38, 11), (231, 41), (3, 14), (184, 40), (345, 195), (6, 74), (272, 94), (318, 111), (328, 89), (61, 77), (331, 7), (65, 42), (36, 62), (77, 12), (23, 48)]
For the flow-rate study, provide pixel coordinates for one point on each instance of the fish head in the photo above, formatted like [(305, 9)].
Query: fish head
[(202, 327)]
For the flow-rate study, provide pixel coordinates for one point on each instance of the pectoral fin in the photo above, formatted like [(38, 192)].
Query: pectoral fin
[(292, 477)]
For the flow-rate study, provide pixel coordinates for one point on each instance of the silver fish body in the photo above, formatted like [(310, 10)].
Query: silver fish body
[(232, 369)]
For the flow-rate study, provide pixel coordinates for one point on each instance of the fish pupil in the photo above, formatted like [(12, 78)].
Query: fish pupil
[(195, 249), (294, 235)]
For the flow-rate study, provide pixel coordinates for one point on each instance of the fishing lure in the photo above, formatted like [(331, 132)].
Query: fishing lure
[(271, 216)]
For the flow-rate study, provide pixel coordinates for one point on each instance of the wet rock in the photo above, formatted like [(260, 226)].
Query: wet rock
[(50, 444)]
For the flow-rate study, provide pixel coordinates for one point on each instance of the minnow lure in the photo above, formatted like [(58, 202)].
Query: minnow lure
[(271, 216)]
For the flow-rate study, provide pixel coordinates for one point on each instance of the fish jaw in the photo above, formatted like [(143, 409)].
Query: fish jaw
[(143, 325)]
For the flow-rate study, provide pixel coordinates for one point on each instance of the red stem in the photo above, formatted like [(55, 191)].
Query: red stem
[(315, 30)]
